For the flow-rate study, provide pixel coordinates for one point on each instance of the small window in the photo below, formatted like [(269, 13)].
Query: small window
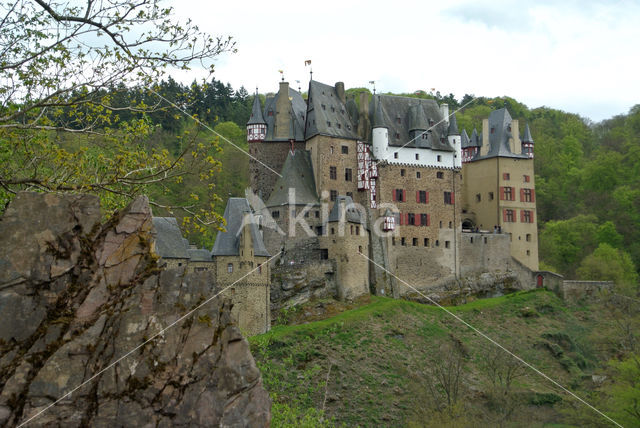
[(270, 113), (275, 214), (415, 242), (360, 249), (324, 254), (331, 149), (229, 267), (437, 243), (328, 123), (397, 135), (323, 106), (403, 242), (345, 150), (339, 126), (400, 195), (358, 230), (348, 175), (417, 156), (411, 219), (528, 237), (448, 198), (395, 155), (351, 230), (439, 158), (528, 252), (426, 242), (450, 225), (350, 194), (333, 195), (393, 241), (417, 174), (478, 197), (422, 196), (527, 179), (447, 244), (333, 231), (402, 172), (317, 214), (424, 220), (506, 176), (491, 196), (493, 130), (440, 175), (333, 109), (333, 173), (399, 120)]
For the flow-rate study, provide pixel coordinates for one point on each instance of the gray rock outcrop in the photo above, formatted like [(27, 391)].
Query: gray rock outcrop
[(77, 295)]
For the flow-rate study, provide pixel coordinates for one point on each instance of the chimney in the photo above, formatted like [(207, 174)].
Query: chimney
[(485, 138), (514, 143), (444, 110), (340, 91)]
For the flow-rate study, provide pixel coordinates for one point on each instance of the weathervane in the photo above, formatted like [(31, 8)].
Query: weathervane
[(299, 89), (373, 82), (281, 74), (308, 63)]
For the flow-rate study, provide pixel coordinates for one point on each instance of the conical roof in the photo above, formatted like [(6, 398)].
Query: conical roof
[(228, 241), (297, 174), (350, 214), (464, 139), (256, 112), (453, 125), (417, 118), (378, 116), (527, 135), (474, 141)]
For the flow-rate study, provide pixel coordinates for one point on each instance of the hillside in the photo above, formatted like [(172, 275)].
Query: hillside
[(382, 361)]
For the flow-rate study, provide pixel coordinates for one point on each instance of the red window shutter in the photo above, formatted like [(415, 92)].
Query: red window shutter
[(531, 217), (404, 195), (504, 215), (428, 220), (513, 193), (533, 195), (407, 222), (453, 198), (521, 195), (401, 216), (521, 216), (393, 194), (417, 196), (501, 193), (427, 197)]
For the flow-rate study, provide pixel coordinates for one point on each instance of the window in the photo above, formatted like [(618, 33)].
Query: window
[(403, 242), (331, 149), (275, 214), (358, 230), (339, 126), (417, 174), (507, 193), (360, 249), (399, 120), (317, 214), (348, 174), (491, 196), (328, 123), (323, 106), (440, 224), (526, 216), (527, 195), (351, 230), (403, 172), (333, 195), (397, 135), (478, 197), (415, 242), (507, 215), (411, 219), (270, 113), (506, 176), (493, 130), (528, 237), (333, 231), (333, 173), (448, 198), (333, 109), (450, 225), (423, 197), (440, 174), (324, 254), (439, 158), (395, 155), (319, 231), (229, 267), (528, 252), (345, 150), (424, 219), (426, 242), (260, 268), (527, 179), (437, 243), (393, 240), (447, 244), (350, 194), (417, 156), (399, 195)]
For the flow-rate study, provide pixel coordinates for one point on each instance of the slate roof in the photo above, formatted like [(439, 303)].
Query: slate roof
[(297, 173), (499, 134), (464, 139), (169, 241), (299, 112), (327, 114), (199, 255), (228, 242), (351, 213), (393, 112), (453, 125), (475, 140), (256, 112), (527, 138)]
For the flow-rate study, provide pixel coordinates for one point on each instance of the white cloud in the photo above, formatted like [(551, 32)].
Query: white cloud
[(576, 56)]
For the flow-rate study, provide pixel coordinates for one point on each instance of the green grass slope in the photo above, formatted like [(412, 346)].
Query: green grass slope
[(371, 366)]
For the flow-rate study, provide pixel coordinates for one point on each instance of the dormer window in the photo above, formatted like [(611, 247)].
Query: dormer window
[(493, 130), (333, 109), (397, 135), (328, 124), (399, 120), (323, 106), (270, 113)]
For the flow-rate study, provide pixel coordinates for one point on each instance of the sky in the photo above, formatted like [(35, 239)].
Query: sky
[(578, 56)]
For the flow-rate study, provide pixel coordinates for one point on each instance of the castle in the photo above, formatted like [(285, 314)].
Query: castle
[(352, 194)]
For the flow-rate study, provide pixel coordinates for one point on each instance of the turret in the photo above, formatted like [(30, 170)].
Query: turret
[(380, 131), (527, 142), (256, 126), (454, 140)]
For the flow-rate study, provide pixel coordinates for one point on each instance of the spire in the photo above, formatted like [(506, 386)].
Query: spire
[(527, 135), (464, 139), (474, 138), (256, 112), (453, 125), (378, 118)]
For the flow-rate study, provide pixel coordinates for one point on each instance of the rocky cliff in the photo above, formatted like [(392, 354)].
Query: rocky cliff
[(77, 295)]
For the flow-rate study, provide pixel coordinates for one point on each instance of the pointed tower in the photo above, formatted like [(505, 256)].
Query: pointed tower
[(453, 136), (256, 126), (380, 131), (527, 143)]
